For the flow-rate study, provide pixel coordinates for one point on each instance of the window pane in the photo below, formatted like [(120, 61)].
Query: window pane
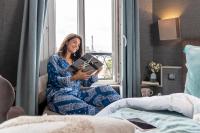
[(98, 25), (98, 33), (66, 19)]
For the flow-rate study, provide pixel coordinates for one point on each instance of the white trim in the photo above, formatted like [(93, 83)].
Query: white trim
[(121, 46), (115, 41), (81, 21), (105, 82), (52, 27)]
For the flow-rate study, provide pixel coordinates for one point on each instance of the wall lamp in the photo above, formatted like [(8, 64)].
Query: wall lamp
[(169, 29)]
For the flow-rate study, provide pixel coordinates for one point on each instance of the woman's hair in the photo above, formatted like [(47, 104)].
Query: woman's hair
[(63, 48)]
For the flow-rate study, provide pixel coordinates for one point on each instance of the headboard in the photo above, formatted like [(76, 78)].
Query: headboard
[(195, 42)]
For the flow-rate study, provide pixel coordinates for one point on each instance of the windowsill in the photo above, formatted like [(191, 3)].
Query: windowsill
[(113, 84), (106, 82)]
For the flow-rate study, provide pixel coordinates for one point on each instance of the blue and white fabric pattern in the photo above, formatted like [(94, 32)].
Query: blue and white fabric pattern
[(65, 97)]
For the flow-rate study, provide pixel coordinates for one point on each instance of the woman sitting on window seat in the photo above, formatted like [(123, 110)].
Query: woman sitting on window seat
[(64, 95)]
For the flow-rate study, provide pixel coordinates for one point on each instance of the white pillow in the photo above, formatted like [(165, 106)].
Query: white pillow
[(66, 124)]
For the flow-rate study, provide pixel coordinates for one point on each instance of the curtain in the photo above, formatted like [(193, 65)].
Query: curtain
[(28, 62), (131, 49)]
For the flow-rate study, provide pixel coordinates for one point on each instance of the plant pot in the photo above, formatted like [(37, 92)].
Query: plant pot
[(153, 77)]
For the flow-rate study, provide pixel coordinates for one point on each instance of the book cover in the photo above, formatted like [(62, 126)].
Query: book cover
[(88, 63)]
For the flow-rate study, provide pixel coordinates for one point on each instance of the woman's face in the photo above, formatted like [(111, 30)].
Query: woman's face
[(73, 45)]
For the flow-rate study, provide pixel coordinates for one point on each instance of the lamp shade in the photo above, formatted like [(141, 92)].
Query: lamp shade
[(168, 29)]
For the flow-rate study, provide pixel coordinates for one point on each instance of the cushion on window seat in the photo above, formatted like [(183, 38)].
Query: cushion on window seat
[(49, 112), (42, 85)]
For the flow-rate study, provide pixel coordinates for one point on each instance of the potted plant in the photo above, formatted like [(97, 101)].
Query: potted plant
[(154, 68)]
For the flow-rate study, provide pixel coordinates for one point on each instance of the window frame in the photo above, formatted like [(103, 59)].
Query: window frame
[(116, 34)]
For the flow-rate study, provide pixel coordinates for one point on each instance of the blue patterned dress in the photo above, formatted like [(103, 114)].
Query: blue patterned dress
[(65, 96)]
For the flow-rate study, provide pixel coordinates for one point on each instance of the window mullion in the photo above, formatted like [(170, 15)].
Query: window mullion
[(81, 21), (116, 40)]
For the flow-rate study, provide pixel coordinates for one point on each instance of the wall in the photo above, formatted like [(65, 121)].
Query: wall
[(11, 12), (169, 52), (146, 49)]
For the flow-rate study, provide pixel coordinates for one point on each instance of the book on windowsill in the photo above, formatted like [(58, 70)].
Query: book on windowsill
[(149, 83), (87, 63)]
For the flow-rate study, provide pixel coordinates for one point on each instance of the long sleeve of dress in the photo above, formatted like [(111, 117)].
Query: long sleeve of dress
[(90, 81), (58, 76)]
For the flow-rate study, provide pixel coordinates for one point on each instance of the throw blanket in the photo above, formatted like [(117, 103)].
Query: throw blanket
[(66, 124), (180, 102)]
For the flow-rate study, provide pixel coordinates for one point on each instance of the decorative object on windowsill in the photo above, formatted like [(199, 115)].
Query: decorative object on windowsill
[(154, 68)]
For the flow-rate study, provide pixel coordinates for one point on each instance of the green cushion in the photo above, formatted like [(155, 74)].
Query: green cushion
[(192, 85)]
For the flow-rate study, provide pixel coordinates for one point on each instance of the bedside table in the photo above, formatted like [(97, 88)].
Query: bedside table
[(152, 88), (171, 79)]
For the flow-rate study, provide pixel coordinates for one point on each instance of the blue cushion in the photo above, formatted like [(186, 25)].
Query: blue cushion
[(192, 85)]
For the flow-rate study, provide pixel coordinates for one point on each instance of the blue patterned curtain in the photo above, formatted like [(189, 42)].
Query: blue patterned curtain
[(131, 49), (28, 62)]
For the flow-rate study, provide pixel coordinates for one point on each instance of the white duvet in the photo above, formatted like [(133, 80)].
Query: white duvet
[(180, 102)]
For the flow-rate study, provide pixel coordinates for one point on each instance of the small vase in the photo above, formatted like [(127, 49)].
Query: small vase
[(153, 77)]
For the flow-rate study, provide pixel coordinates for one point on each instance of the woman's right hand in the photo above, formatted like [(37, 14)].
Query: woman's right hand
[(80, 75)]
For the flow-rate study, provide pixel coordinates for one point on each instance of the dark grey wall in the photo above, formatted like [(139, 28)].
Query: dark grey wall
[(11, 12), (169, 52), (146, 49)]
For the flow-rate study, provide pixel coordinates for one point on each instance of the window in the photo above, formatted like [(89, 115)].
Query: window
[(98, 26), (66, 19), (97, 22), (98, 33)]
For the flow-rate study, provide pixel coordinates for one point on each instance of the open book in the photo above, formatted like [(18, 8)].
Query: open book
[(88, 63)]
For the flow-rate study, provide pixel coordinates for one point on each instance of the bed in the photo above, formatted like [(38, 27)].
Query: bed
[(175, 113), (165, 121)]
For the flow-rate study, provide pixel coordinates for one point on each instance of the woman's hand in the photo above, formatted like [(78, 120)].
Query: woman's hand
[(80, 75)]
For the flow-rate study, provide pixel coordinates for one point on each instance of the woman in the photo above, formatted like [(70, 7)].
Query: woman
[(64, 95)]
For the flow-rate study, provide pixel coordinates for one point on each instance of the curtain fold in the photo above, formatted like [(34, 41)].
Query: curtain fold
[(28, 62), (131, 49)]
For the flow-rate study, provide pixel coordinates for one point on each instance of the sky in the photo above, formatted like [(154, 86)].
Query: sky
[(98, 22)]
